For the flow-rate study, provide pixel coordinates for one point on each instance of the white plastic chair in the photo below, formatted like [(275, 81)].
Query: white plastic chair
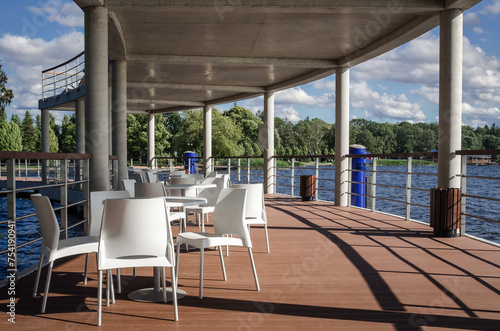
[(150, 175), (211, 194), (136, 233), (226, 178), (129, 185), (96, 208), (212, 174), (155, 190), (228, 219), (51, 246), (255, 213), (187, 192), (196, 176), (138, 175)]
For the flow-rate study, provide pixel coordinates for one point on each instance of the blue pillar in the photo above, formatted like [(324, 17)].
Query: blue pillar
[(358, 176)]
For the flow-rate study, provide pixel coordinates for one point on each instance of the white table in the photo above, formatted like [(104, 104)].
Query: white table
[(185, 187), (155, 294)]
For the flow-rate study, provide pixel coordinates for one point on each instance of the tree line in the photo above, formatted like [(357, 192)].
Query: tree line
[(235, 133)]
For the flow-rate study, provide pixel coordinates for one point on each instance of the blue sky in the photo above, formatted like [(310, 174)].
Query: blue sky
[(401, 85)]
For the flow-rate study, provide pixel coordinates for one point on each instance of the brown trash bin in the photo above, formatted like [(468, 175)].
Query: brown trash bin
[(445, 215), (307, 187)]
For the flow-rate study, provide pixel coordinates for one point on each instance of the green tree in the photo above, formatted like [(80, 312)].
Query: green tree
[(6, 95), (249, 127), (137, 136), (15, 119), (67, 142), (29, 133), (10, 137)]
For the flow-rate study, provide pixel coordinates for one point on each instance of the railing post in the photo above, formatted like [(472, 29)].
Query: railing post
[(239, 170), (374, 183), (229, 167), (248, 170), (64, 199), (19, 168), (11, 210), (317, 176), (408, 188), (349, 176), (86, 194), (292, 176), (463, 186)]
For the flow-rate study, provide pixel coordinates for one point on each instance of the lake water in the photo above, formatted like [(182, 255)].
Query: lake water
[(28, 229)]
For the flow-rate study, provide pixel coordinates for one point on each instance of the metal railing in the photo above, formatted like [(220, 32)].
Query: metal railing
[(63, 177), (64, 77)]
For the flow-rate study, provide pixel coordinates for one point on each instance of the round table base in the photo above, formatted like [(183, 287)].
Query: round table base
[(150, 295)]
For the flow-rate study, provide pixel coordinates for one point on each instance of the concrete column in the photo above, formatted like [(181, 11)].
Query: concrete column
[(45, 142), (45, 130), (341, 135), (119, 112), (207, 140), (269, 170), (450, 98), (80, 125), (79, 134), (96, 96), (151, 139)]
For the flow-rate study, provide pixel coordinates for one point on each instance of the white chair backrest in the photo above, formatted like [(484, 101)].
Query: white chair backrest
[(178, 180), (226, 179), (229, 214), (151, 177), (129, 186), (48, 223), (212, 174), (138, 175), (149, 190), (96, 207), (178, 172), (211, 193), (255, 200), (123, 236)]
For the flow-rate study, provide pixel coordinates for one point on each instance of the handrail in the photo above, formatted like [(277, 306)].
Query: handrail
[(64, 63)]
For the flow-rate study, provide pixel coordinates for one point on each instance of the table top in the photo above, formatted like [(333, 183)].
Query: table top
[(179, 201), (188, 186)]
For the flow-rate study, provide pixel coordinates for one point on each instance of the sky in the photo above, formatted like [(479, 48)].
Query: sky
[(400, 85)]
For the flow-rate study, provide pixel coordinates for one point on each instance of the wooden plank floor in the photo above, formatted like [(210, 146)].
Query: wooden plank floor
[(329, 268)]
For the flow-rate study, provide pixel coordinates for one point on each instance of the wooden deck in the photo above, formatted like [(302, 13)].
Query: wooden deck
[(329, 268)]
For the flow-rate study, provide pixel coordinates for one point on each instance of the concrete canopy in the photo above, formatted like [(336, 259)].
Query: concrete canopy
[(188, 54)]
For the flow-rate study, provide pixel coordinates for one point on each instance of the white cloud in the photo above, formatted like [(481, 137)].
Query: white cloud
[(384, 106), (492, 8), (295, 95), (480, 116), (287, 112), (66, 14), (25, 59)]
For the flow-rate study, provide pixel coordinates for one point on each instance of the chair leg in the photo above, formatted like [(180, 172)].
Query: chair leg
[(202, 222), (254, 269), (174, 293), (37, 280), (107, 286), (47, 285), (202, 251), (222, 263), (86, 269), (111, 286), (178, 251), (118, 281), (99, 298), (267, 238), (163, 284)]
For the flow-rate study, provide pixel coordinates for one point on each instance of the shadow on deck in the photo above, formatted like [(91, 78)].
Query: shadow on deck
[(329, 268)]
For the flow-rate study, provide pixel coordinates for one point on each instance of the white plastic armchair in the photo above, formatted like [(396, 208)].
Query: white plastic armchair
[(255, 213), (136, 233), (52, 247), (228, 219)]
